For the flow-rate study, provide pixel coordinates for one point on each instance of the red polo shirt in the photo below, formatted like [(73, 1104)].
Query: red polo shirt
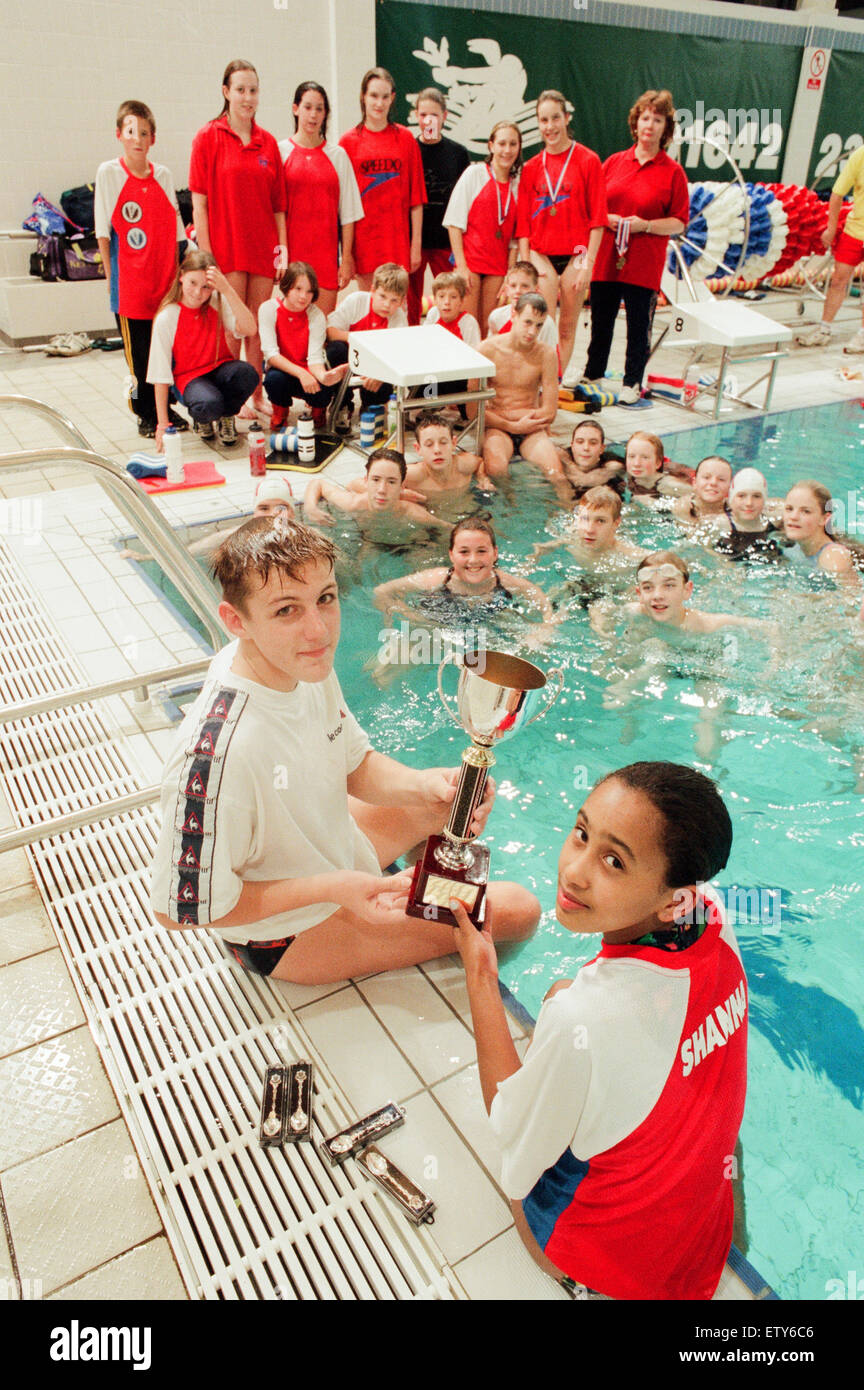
[(651, 191), (576, 180), (244, 186), (389, 174)]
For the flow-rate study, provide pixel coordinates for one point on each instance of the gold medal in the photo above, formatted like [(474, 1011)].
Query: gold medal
[(552, 211), (621, 262)]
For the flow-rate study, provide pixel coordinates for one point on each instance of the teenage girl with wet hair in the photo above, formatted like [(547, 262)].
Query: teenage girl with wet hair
[(561, 216), (617, 1128), (324, 202), (392, 224), (806, 516), (238, 201)]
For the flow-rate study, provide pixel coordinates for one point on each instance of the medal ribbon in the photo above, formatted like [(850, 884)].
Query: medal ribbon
[(501, 215), (553, 192), (622, 237)]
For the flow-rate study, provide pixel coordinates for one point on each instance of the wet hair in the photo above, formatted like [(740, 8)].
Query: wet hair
[(431, 94), (663, 557), (426, 418), (601, 499), (136, 108), (517, 162), (292, 273), (697, 834), (532, 301), (551, 94), (370, 77), (388, 456), (258, 546), (193, 260), (450, 280), (313, 87), (479, 522), (589, 425), (819, 491), (526, 268), (391, 277), (654, 440), (662, 103), (238, 65), (714, 458)]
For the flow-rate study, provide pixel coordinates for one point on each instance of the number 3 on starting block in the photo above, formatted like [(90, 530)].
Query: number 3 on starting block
[(355, 358)]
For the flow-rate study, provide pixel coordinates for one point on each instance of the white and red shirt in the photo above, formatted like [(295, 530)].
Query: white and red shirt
[(653, 190), (485, 212), (244, 186), (188, 343), (140, 218), (322, 195), (465, 326), (354, 314), (297, 337), (560, 226), (389, 174), (618, 1131), (501, 321)]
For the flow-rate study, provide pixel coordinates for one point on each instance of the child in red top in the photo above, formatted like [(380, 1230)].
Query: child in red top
[(386, 161), (561, 216), (138, 226), (293, 332), (449, 308), (481, 221), (618, 1128), (238, 200), (381, 307), (191, 350)]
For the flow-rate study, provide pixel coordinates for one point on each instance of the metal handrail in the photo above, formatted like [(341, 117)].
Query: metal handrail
[(75, 820), (83, 694)]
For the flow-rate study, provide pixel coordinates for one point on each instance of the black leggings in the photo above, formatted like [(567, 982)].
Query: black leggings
[(639, 305)]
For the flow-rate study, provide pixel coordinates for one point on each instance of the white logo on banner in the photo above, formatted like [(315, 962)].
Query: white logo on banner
[(477, 98)]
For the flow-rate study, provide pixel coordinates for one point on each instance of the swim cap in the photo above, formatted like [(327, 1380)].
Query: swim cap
[(748, 480), (274, 490)]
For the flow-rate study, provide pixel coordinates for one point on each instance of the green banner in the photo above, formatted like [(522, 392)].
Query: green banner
[(841, 118), (493, 67)]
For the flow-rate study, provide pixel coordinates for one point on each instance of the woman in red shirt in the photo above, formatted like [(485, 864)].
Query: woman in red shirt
[(238, 200), (389, 170), (323, 198), (648, 201), (561, 216)]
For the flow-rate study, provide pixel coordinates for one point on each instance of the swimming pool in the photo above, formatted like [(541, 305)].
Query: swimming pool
[(789, 763)]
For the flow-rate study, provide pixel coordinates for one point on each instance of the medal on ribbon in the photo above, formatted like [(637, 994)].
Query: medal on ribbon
[(622, 242), (553, 192)]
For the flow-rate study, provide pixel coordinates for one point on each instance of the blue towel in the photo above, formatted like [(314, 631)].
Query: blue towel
[(147, 466)]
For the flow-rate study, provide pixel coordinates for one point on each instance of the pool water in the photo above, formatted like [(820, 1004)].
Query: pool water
[(786, 744)]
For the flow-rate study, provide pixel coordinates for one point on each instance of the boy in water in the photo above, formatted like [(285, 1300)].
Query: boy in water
[(389, 518), (594, 541), (442, 472)]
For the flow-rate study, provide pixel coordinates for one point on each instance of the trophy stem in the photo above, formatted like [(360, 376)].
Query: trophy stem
[(454, 851)]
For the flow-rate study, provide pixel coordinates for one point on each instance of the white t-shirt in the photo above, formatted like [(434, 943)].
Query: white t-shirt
[(469, 328), (254, 789), (502, 316), (267, 330)]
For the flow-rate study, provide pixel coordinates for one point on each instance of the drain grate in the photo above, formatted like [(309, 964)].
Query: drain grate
[(184, 1036)]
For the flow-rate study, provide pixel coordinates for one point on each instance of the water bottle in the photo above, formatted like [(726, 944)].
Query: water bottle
[(285, 442), (392, 415), (306, 437), (173, 450), (257, 453)]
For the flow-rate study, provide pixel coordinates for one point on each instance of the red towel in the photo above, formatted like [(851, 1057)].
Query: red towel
[(202, 474)]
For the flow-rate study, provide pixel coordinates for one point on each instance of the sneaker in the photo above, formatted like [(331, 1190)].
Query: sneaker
[(179, 422), (342, 423), (630, 395), (205, 428), (227, 430), (817, 336), (147, 429), (856, 344), (570, 380)]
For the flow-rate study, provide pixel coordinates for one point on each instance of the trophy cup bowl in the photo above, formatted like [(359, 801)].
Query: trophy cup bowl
[(497, 695)]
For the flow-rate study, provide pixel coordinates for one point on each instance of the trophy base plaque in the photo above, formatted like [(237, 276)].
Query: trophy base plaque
[(434, 883)]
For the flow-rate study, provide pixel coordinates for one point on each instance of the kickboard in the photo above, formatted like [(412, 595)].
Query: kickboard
[(200, 474)]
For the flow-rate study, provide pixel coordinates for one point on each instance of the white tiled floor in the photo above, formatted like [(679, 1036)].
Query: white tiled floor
[(59, 1118)]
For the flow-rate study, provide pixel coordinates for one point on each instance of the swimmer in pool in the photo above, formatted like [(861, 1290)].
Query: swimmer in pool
[(468, 593), (705, 509), (273, 497), (593, 538), (586, 463), (650, 479), (442, 472), (382, 514), (806, 513), (750, 533)]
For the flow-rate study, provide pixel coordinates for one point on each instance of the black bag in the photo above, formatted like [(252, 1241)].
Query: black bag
[(67, 258), (184, 203), (47, 260), (78, 205)]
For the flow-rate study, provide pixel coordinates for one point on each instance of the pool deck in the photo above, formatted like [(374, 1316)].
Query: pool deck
[(59, 1117)]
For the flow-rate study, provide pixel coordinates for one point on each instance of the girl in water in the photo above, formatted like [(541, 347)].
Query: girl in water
[(749, 533), (238, 203), (616, 1129), (806, 514), (706, 507), (392, 225), (649, 477), (481, 221), (561, 216), (323, 198)]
